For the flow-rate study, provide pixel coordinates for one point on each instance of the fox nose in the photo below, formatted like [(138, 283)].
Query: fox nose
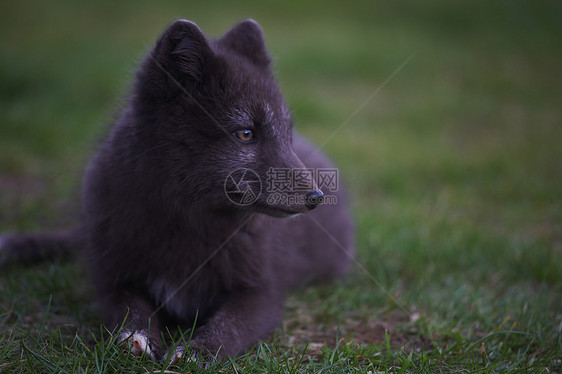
[(313, 199)]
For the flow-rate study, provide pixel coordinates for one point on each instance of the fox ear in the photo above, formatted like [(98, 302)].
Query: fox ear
[(182, 51), (247, 39)]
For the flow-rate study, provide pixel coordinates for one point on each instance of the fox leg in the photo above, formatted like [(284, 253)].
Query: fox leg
[(140, 332), (242, 320)]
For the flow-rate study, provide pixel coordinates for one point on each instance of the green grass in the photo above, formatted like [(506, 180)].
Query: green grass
[(453, 166)]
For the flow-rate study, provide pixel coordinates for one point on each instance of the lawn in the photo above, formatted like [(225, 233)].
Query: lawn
[(444, 119)]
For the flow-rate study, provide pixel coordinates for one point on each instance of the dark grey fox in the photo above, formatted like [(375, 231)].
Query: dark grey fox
[(178, 226)]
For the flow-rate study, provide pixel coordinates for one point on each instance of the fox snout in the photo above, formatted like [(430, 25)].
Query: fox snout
[(313, 199)]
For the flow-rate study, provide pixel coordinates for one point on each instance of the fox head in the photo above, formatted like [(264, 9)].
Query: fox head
[(216, 121)]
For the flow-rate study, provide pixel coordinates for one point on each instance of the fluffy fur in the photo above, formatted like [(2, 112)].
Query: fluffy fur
[(163, 242)]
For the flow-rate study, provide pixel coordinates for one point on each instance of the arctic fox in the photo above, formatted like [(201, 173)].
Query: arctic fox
[(181, 221)]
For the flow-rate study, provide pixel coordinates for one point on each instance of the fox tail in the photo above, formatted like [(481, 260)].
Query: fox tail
[(29, 248)]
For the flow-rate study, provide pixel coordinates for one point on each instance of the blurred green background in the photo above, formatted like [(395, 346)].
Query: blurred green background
[(453, 165), (467, 132)]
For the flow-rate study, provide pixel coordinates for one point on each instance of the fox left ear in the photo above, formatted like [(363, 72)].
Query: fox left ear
[(183, 51), (247, 39)]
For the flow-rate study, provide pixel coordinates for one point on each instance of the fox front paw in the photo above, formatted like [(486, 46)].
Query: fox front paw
[(174, 356), (137, 343)]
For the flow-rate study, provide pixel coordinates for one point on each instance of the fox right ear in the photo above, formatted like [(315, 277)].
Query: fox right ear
[(246, 39), (182, 51)]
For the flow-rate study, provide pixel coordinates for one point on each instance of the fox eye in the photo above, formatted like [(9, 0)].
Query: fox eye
[(245, 136)]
